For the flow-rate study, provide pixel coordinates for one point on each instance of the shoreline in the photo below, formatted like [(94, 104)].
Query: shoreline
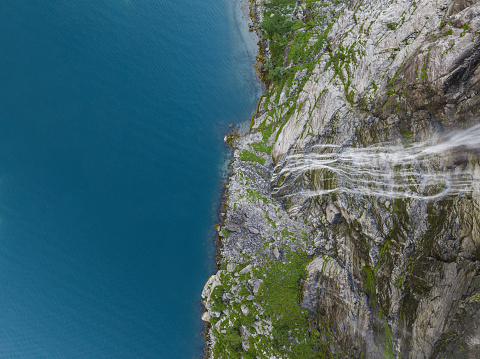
[(231, 139), (306, 267), (255, 231)]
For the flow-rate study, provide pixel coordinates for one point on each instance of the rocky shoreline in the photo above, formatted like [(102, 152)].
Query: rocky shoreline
[(351, 274)]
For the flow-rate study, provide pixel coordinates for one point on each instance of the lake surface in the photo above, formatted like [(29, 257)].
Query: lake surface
[(112, 117)]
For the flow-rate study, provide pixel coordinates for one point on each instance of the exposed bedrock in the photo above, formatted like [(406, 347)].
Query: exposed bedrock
[(391, 248)]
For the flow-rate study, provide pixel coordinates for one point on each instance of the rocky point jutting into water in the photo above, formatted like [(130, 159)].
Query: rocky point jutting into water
[(351, 227)]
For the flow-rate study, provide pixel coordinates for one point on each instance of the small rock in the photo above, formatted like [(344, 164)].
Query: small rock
[(244, 309), (231, 267), (250, 297), (256, 286), (333, 213), (244, 331), (258, 327), (253, 230), (206, 317), (276, 253), (319, 243), (245, 346), (212, 282), (246, 269)]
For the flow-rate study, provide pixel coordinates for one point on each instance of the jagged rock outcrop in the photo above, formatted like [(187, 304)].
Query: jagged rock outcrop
[(385, 253)]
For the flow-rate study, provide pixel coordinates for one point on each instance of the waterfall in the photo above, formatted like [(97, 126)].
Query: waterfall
[(423, 170)]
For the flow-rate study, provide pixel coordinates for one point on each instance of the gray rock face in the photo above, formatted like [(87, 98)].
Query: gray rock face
[(332, 213), (276, 253), (387, 275)]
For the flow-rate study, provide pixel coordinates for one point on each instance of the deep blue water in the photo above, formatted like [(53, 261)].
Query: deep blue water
[(112, 116)]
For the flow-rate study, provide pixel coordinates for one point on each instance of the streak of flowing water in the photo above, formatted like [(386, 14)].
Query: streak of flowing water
[(422, 170)]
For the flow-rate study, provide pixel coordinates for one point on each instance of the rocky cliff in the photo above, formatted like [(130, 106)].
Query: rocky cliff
[(351, 224)]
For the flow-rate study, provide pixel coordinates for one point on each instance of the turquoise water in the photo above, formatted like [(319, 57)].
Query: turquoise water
[(112, 117)]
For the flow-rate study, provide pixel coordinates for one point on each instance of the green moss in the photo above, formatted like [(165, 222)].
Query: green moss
[(282, 31), (216, 302), (280, 3), (392, 25), (449, 32), (231, 343), (350, 96), (406, 271), (388, 349), (249, 156), (265, 129), (289, 113), (369, 280), (465, 28), (292, 335), (342, 62), (285, 233), (255, 195), (261, 147), (270, 221), (276, 25), (369, 26), (382, 252), (279, 295), (449, 48), (407, 140), (424, 75)]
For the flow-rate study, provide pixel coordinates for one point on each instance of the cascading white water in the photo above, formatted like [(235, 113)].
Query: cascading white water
[(422, 170)]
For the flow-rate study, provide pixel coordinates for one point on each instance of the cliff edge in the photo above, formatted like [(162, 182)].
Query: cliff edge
[(352, 222)]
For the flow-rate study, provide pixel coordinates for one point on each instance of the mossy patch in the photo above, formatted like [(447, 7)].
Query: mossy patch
[(246, 155)]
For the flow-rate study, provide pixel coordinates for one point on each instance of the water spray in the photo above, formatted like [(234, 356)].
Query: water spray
[(421, 170)]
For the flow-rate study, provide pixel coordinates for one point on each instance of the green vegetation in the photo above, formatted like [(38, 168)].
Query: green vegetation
[(296, 47), (388, 349), (341, 61), (252, 157), (279, 295), (280, 327), (293, 334), (392, 25), (465, 28), (380, 255), (276, 25), (261, 147), (370, 280), (310, 3), (286, 233), (255, 195), (216, 299), (292, 42), (449, 48)]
